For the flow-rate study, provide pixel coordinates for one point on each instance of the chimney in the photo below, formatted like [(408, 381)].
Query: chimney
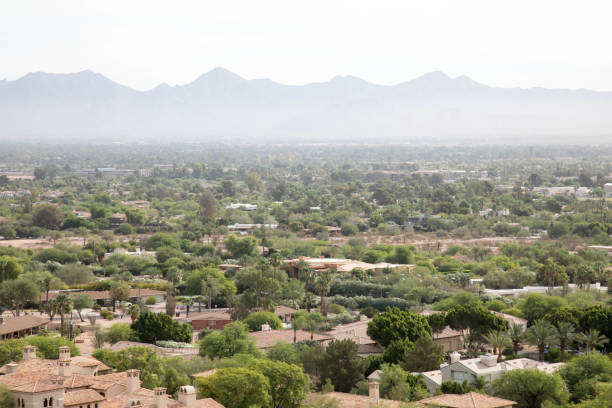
[(132, 382), (29, 353), (11, 368), (64, 353), (160, 397), (488, 360), (64, 368), (187, 395), (374, 384), (454, 357)]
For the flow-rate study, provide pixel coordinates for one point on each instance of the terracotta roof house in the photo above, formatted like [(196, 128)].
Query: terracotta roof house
[(449, 339), (373, 399), (20, 326), (36, 383), (285, 313), (469, 400), (269, 338), (357, 332), (215, 320)]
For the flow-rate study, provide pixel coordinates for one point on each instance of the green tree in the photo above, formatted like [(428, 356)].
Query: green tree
[(208, 205), (6, 397), (322, 286), (297, 323), (288, 383), (541, 334), (119, 291), (516, 333), (133, 311), (593, 339), (148, 361), (395, 324), (498, 339), (120, 332), (236, 388), (426, 355), (80, 302), (535, 306), (341, 365), (598, 318), (152, 327), (239, 247), (16, 293), (47, 216), (565, 335), (285, 352), (582, 373), (255, 320), (530, 388), (233, 339), (398, 384), (62, 304), (10, 268)]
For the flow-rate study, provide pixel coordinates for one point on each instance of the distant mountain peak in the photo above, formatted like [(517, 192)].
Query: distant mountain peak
[(219, 74)]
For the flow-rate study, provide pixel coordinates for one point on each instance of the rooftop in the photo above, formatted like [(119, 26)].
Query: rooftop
[(269, 338), (19, 323), (469, 400)]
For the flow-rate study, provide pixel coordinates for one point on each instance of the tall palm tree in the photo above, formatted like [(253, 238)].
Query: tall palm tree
[(212, 287), (297, 324), (516, 332), (323, 286), (199, 299), (314, 321), (566, 333), (62, 305), (187, 301), (133, 311), (498, 339), (593, 339), (541, 334)]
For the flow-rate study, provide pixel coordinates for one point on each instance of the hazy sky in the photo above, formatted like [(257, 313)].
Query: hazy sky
[(522, 43)]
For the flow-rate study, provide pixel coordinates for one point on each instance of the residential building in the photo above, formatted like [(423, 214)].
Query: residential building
[(357, 332), (346, 400), (241, 206), (469, 400), (448, 338), (342, 265), (267, 338), (247, 227), (117, 219), (486, 366), (213, 320), (64, 383), (21, 326)]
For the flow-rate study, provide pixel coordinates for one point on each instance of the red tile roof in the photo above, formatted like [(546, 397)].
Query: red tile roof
[(81, 397)]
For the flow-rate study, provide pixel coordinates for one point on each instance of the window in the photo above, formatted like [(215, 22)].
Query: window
[(459, 376), (45, 403), (51, 401)]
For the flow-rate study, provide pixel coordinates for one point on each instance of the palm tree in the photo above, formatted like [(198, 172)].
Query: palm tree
[(593, 339), (133, 311), (516, 332), (62, 305), (314, 321), (323, 286), (187, 301), (297, 324), (212, 286), (564, 336), (541, 334), (199, 299), (498, 340)]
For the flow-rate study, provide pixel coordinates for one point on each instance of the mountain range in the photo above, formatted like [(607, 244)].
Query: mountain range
[(221, 106)]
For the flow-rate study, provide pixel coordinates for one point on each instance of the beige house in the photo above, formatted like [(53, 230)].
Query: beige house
[(484, 366), (76, 383)]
